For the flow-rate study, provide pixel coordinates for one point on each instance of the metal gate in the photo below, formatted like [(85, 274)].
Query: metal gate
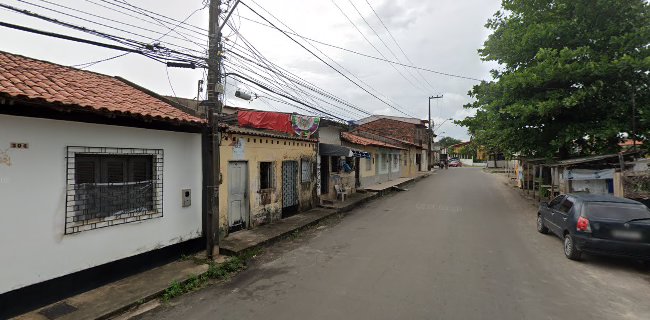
[(289, 188)]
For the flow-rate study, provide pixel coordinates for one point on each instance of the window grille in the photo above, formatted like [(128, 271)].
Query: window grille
[(111, 186)]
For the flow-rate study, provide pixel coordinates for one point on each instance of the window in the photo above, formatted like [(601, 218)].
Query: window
[(110, 186), (383, 162), (266, 175), (555, 202), (368, 163), (336, 164), (305, 174), (566, 205)]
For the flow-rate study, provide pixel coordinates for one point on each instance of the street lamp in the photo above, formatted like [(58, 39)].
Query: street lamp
[(440, 125)]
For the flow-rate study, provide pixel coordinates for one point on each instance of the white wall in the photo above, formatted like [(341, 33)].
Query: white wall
[(330, 135), (33, 246)]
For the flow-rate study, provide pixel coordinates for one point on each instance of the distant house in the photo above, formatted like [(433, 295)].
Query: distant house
[(410, 130), (382, 163), (338, 165), (98, 178)]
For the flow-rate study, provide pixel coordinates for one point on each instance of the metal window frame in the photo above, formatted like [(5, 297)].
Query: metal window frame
[(76, 222)]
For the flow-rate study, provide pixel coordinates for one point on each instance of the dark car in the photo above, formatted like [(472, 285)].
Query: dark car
[(597, 224)]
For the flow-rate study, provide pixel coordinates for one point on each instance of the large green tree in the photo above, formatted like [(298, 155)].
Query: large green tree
[(448, 141), (569, 73)]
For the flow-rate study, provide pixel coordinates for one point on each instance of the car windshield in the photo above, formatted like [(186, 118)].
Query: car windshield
[(618, 211)]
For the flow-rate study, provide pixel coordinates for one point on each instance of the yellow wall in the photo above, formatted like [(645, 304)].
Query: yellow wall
[(253, 150)]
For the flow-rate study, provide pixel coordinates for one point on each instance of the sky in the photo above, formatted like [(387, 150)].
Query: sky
[(439, 35)]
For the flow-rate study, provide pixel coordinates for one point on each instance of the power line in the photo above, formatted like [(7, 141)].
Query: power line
[(380, 39), (323, 61), (204, 32), (115, 21), (104, 25), (396, 43), (360, 53), (267, 65), (263, 87), (92, 63), (306, 85), (149, 50)]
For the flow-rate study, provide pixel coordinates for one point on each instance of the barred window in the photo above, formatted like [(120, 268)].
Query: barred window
[(112, 187), (266, 175), (305, 167)]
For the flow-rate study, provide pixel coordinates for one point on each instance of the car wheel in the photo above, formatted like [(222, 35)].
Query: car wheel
[(541, 228), (570, 250)]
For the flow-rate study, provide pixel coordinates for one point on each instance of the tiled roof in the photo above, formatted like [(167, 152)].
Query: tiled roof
[(349, 137), (263, 133), (402, 119), (23, 77)]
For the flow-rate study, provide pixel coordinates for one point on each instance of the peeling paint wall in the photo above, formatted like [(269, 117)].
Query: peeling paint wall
[(265, 205)]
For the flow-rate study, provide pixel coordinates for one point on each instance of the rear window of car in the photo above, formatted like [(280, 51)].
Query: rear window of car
[(618, 211)]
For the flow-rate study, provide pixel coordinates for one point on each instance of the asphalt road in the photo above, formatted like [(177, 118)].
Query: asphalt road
[(457, 245)]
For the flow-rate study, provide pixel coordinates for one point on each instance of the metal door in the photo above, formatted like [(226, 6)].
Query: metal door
[(289, 188), (237, 195)]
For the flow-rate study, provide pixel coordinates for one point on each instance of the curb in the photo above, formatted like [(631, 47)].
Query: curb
[(158, 294)]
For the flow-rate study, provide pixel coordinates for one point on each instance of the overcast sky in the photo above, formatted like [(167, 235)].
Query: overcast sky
[(439, 35)]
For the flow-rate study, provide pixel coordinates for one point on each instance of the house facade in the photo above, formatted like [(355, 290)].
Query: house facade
[(384, 162), (98, 178), (410, 130), (266, 176)]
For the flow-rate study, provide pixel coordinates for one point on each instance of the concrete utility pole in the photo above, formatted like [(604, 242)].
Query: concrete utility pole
[(431, 131), (214, 109)]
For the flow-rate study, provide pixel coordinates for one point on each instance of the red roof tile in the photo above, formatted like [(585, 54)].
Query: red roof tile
[(36, 79), (349, 137)]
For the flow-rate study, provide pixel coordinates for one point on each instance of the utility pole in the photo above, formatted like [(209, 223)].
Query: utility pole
[(214, 109), (430, 123), (633, 121), (431, 130)]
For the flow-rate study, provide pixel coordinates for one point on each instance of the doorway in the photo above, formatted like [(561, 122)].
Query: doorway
[(238, 210), (289, 188)]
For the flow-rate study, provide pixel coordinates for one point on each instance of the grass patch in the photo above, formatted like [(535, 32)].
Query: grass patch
[(215, 272)]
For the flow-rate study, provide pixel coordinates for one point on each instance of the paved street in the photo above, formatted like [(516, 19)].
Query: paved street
[(457, 245)]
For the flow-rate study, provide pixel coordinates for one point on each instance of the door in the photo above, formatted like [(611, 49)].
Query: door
[(289, 188), (324, 174), (549, 212), (562, 215), (357, 172), (237, 195)]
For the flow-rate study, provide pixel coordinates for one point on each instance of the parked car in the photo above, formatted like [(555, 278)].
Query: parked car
[(597, 224), (455, 163)]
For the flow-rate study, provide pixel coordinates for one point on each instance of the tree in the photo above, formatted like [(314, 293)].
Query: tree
[(448, 141), (568, 72)]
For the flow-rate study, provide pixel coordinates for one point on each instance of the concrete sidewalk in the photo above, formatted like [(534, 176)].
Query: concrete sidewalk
[(388, 186), (114, 298)]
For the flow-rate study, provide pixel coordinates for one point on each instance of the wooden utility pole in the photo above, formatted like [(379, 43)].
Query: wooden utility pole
[(214, 109)]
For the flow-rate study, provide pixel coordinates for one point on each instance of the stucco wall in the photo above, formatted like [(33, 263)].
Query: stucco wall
[(330, 135), (253, 150), (33, 246)]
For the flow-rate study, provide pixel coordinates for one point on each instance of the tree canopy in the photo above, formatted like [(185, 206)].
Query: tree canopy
[(569, 74), (448, 141)]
